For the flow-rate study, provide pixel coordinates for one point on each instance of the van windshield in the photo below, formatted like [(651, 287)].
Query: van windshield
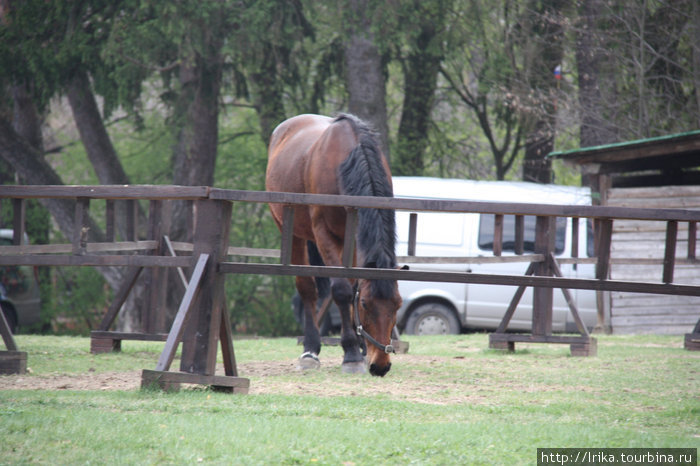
[(486, 233)]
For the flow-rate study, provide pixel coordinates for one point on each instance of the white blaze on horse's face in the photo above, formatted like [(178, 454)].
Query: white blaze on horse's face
[(378, 318)]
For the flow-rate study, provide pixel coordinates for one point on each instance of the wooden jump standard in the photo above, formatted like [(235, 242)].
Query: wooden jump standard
[(204, 308), (200, 322)]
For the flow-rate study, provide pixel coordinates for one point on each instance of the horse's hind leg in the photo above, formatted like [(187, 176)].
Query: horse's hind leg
[(307, 291)]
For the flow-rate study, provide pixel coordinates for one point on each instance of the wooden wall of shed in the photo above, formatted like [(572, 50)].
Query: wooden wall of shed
[(647, 313)]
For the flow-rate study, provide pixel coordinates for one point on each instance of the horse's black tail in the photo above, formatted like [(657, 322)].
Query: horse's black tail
[(363, 174), (323, 284)]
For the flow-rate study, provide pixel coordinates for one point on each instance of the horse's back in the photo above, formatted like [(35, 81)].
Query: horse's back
[(290, 146)]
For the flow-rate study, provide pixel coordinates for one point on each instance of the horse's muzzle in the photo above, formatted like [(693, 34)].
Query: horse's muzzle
[(379, 371)]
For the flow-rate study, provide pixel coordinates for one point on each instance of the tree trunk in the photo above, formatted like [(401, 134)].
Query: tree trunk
[(268, 90), (364, 72), (421, 69), (196, 149), (595, 129), (98, 144), (547, 32)]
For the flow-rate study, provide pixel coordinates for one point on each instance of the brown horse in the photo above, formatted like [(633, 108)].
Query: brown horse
[(323, 155)]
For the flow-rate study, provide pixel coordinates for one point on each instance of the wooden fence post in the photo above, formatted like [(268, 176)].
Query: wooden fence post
[(542, 298), (212, 220)]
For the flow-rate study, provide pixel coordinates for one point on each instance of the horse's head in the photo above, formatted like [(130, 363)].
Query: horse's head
[(377, 314)]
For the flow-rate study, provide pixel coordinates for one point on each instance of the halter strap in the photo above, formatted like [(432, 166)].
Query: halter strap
[(361, 332)]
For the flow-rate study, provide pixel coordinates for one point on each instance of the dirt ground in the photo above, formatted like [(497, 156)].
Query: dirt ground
[(264, 380)]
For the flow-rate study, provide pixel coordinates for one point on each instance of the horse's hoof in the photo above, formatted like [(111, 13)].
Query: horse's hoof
[(354, 368), (308, 361)]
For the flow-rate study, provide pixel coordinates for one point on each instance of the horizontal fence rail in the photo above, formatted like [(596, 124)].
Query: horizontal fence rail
[(156, 251)]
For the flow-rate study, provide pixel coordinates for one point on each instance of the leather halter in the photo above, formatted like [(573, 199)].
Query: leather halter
[(361, 332)]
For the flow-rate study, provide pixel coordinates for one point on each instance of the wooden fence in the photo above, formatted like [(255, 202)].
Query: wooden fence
[(202, 321)]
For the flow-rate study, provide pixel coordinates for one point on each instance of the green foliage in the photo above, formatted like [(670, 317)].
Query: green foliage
[(78, 299)]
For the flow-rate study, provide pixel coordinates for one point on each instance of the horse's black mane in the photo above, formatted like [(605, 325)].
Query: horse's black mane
[(362, 174)]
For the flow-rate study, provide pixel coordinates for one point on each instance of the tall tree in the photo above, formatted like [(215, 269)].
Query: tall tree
[(540, 40), (365, 71), (424, 23), (479, 71), (595, 128)]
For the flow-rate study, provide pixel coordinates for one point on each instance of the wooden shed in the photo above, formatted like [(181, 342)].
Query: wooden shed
[(662, 172)]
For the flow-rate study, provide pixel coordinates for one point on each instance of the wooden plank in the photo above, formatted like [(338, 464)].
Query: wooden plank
[(670, 251), (110, 225), (497, 234), (18, 221), (211, 236), (456, 277), (13, 362), (287, 234), (472, 259), (105, 191), (542, 297), (514, 303), (178, 327), (135, 336), (603, 242), (349, 240), (443, 205), (80, 227), (132, 220), (526, 338), (171, 251), (97, 261), (567, 296), (692, 239), (519, 247), (165, 380), (120, 298), (6, 333), (412, 233), (90, 248), (226, 339)]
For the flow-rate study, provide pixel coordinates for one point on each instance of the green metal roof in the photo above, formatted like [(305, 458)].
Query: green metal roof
[(622, 145)]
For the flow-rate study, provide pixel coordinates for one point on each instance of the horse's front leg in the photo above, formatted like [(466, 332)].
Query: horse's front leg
[(353, 361)]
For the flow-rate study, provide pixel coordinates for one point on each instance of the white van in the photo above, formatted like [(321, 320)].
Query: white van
[(444, 308)]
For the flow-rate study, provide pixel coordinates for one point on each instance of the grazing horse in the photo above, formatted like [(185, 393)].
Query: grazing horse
[(323, 155)]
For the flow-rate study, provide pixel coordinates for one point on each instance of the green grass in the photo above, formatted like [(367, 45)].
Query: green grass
[(449, 401)]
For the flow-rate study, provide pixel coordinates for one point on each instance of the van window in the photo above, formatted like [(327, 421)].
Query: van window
[(486, 233)]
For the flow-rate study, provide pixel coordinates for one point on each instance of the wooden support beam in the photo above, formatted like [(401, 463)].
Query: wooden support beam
[(497, 234), (567, 296), (670, 251), (178, 327), (503, 326), (132, 220), (542, 298), (603, 243), (287, 234), (110, 226), (120, 298), (519, 247), (211, 236), (412, 233), (80, 227), (18, 221), (349, 240), (692, 239)]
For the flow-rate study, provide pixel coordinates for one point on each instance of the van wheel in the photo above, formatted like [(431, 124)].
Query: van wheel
[(10, 317), (432, 319)]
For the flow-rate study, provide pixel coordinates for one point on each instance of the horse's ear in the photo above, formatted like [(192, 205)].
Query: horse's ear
[(403, 267)]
